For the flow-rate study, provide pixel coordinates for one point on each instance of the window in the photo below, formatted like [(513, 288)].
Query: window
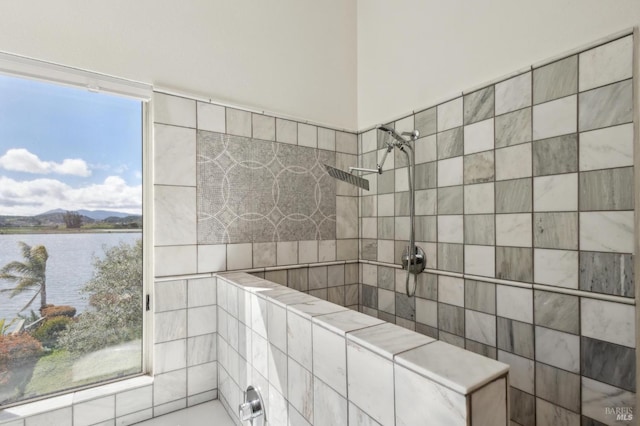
[(71, 251)]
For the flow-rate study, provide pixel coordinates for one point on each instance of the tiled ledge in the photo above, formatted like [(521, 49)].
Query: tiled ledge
[(543, 287), (446, 365)]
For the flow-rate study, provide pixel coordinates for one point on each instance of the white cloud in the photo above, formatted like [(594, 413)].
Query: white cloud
[(21, 160), (39, 195)]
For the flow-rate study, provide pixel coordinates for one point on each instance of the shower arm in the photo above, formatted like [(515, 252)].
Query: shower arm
[(378, 168)]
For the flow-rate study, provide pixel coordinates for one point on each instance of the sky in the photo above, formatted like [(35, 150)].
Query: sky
[(68, 148)]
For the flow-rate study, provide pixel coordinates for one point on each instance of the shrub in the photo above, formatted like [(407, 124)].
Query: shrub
[(16, 350), (48, 332), (58, 311)]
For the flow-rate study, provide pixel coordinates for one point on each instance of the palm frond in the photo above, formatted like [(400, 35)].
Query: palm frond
[(30, 301)]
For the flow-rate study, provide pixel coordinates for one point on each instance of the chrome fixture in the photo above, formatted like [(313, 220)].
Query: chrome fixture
[(253, 409), (413, 257)]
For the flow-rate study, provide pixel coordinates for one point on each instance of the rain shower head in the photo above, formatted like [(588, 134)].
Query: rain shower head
[(347, 177)]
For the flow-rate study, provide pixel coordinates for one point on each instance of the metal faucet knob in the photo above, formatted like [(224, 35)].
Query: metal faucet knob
[(253, 407)]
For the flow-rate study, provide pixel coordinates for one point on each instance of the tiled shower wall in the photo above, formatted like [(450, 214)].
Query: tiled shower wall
[(525, 207)]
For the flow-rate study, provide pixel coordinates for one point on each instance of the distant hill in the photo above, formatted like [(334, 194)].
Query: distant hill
[(98, 219), (93, 214)]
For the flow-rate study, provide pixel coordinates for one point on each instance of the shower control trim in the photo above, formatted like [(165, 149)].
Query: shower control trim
[(253, 409)]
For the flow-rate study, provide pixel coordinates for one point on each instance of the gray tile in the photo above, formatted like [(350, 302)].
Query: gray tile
[(555, 80), (606, 106), (548, 414), (369, 296), (336, 295), (238, 122), (369, 249), (555, 155), (480, 296), (479, 168), (479, 229), (586, 421), (451, 319), (451, 339), (514, 196), (390, 318), (286, 131), (405, 306), (351, 294), (400, 159), (515, 337), (562, 387), (514, 263), (386, 228), (450, 143), (450, 257), (386, 182), (557, 311), (481, 349), (450, 200), (609, 273), (609, 363), (513, 128), (264, 127), (610, 189), (426, 330), (426, 229), (368, 205), (335, 275), (351, 274), (478, 105), (298, 279), (425, 122), (369, 160), (522, 407), (427, 286), (318, 277), (555, 230), (401, 204), (425, 176), (558, 349)]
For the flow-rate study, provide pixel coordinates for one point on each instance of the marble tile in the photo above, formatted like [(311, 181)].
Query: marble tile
[(369, 296), (450, 257), (60, 417), (426, 175), (427, 286), (555, 193), (425, 121), (169, 387), (555, 80), (175, 215), (298, 279), (238, 122), (300, 389), (211, 257), (202, 378), (169, 356), (515, 337), (513, 263), (345, 321), (378, 339), (606, 148), (490, 404), (513, 162), (513, 230), (587, 421), (479, 137), (202, 292), (514, 303), (299, 339), (513, 128), (450, 172), (610, 189), (459, 370), (170, 325), (134, 400), (201, 320), (450, 143), (556, 267), (451, 228), (522, 408), (425, 149), (287, 252), (329, 408), (264, 127), (425, 228), (562, 387), (555, 155), (451, 319), (174, 155), (451, 290), (386, 227), (479, 105), (558, 349), (450, 114), (608, 273), (607, 231), (609, 363), (401, 204), (609, 321), (450, 200), (481, 349), (480, 327), (479, 198), (346, 142), (479, 168), (513, 94), (371, 392), (521, 371), (170, 295), (451, 339), (307, 135), (286, 131), (606, 106), (405, 307), (548, 414), (513, 196), (201, 349), (440, 405), (606, 64), (386, 251), (557, 311), (330, 359), (480, 296), (346, 217), (479, 229), (555, 118), (174, 110), (357, 417), (239, 256), (308, 250), (427, 312), (93, 412), (479, 260), (597, 397), (556, 230), (401, 180), (277, 326)]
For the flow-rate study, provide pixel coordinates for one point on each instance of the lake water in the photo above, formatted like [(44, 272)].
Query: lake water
[(69, 267)]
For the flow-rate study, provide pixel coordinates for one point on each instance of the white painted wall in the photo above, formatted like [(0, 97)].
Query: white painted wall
[(413, 53), (294, 57)]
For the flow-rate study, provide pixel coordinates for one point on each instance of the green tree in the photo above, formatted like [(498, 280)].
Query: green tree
[(28, 275), (72, 220), (115, 294)]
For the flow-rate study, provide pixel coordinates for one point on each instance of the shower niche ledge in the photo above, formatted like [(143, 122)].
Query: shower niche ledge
[(344, 367)]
